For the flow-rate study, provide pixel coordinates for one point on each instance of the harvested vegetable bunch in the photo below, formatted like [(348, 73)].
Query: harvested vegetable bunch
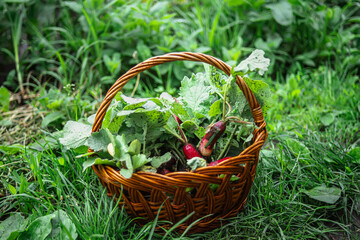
[(161, 134)]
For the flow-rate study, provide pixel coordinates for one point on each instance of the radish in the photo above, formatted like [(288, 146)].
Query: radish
[(214, 163), (190, 151), (163, 171), (213, 133)]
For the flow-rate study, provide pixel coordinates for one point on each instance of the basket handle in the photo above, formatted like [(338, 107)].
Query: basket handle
[(172, 57)]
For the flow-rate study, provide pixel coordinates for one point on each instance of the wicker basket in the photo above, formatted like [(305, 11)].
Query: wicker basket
[(144, 193)]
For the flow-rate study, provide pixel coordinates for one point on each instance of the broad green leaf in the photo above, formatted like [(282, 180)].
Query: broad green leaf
[(196, 162), (62, 227), (52, 117), (157, 161), (355, 154), (76, 7), (236, 99), (256, 61), (96, 160), (262, 93), (324, 194), (327, 119), (215, 108), (11, 227), (126, 173), (282, 12), (4, 99), (179, 110), (139, 161), (39, 229), (121, 148), (75, 134), (195, 92), (297, 148), (98, 141), (189, 126), (135, 147)]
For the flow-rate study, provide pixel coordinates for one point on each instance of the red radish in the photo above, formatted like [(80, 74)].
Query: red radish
[(213, 133), (190, 151), (163, 171), (214, 163)]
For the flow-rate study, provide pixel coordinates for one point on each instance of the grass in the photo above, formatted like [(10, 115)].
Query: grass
[(62, 61)]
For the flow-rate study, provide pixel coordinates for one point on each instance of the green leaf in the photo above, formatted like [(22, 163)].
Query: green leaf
[(327, 119), (355, 154), (157, 161), (139, 161), (195, 92), (256, 61), (297, 148), (282, 12), (189, 126), (215, 108), (52, 117), (135, 147), (11, 149), (121, 148), (196, 162), (39, 229), (12, 189), (4, 99), (61, 161), (262, 93), (76, 7), (179, 110), (62, 227), (126, 173), (98, 141), (324, 194), (75, 134), (11, 227), (96, 160)]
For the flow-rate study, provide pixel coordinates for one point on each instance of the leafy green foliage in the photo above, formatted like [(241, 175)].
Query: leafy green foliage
[(196, 162), (76, 134), (12, 227), (324, 194), (256, 61), (4, 99)]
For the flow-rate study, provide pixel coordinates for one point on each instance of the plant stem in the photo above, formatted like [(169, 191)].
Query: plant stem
[(174, 133), (228, 143)]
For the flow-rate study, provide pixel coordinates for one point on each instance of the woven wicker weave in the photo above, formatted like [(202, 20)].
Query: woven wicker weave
[(144, 193)]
